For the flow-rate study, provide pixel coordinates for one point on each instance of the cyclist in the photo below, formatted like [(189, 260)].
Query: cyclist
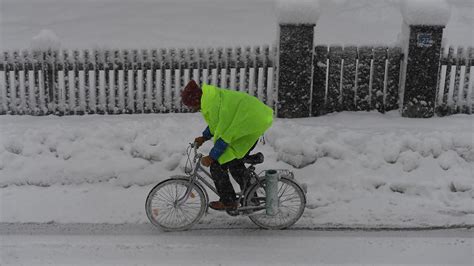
[(236, 121)]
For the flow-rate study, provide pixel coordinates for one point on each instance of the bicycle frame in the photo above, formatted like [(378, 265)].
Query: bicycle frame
[(196, 177)]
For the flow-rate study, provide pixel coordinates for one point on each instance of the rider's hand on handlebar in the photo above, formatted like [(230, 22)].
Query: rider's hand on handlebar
[(207, 161), (199, 141)]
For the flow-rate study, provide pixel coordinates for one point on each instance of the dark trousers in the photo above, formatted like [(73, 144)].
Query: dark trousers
[(221, 179)]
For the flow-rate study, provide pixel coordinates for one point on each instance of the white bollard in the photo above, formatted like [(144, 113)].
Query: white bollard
[(271, 191)]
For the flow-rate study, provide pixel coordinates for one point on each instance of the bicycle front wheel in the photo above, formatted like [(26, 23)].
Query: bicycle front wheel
[(292, 201), (162, 206)]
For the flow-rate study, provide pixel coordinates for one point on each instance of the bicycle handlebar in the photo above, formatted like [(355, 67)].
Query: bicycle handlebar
[(195, 147)]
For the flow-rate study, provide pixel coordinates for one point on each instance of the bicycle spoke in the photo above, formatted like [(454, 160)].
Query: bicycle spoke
[(178, 218), (193, 203), (289, 193), (187, 215), (167, 192), (159, 205), (182, 216), (163, 198), (295, 197), (279, 189), (291, 210), (166, 216), (190, 216), (175, 218), (286, 187), (189, 208), (176, 193)]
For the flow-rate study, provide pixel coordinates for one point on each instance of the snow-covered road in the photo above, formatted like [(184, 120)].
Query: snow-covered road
[(141, 244)]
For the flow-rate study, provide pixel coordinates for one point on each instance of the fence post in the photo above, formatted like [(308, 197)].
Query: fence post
[(422, 36), (296, 20), (47, 45), (295, 66)]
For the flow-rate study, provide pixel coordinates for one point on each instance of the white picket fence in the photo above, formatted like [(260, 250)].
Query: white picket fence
[(113, 82), (149, 81), (456, 82)]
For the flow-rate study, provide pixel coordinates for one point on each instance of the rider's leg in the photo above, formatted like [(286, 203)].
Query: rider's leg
[(239, 172), (219, 174)]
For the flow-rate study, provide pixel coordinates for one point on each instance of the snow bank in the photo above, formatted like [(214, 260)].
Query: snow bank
[(425, 12), (360, 168), (298, 11), (45, 40), (95, 149), (301, 146)]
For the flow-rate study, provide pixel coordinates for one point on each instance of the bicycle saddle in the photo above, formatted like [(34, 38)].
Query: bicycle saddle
[(256, 158)]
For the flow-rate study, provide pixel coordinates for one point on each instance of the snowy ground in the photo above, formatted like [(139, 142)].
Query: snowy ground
[(362, 169), (185, 23), (138, 245), (72, 189)]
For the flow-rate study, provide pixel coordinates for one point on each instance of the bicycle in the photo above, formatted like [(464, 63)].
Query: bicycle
[(179, 202)]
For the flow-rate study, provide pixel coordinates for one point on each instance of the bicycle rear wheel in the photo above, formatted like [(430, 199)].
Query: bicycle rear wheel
[(292, 201), (162, 206)]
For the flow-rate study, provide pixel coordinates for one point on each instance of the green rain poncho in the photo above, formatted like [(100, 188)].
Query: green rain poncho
[(235, 117)]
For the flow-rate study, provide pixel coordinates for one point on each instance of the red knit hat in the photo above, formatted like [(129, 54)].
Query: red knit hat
[(191, 95)]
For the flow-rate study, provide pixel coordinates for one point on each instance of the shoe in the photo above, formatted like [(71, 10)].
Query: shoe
[(221, 206)]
